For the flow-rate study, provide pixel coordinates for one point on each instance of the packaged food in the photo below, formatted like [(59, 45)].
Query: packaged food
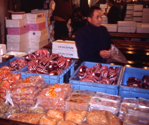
[(45, 120), (127, 102), (65, 123), (86, 92), (144, 103), (24, 101), (80, 96), (135, 120), (77, 104), (75, 116), (37, 108), (58, 114), (32, 118), (102, 118), (2, 115), (3, 107)]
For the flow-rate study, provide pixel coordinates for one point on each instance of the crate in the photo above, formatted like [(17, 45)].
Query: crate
[(7, 63), (81, 85), (51, 79), (125, 91)]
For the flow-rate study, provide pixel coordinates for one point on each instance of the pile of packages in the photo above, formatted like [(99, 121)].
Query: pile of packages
[(70, 117), (54, 96), (25, 90)]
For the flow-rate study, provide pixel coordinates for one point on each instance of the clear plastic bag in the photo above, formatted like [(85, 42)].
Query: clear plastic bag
[(57, 114), (116, 55)]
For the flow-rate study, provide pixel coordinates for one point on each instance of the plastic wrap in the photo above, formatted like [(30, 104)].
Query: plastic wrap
[(24, 102), (3, 107), (37, 108), (58, 114), (127, 102), (77, 104), (32, 118), (86, 92), (102, 118), (65, 123), (143, 103), (75, 116), (135, 120), (97, 103), (48, 121), (2, 115)]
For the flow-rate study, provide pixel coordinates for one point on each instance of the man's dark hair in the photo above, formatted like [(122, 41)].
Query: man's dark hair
[(91, 10), (111, 1)]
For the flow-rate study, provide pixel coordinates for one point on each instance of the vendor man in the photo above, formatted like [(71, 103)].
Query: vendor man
[(93, 41)]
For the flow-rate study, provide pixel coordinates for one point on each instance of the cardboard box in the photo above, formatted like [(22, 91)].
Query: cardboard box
[(138, 7), (129, 16), (64, 45), (17, 16), (38, 38), (127, 23), (127, 29), (37, 33), (38, 45), (17, 30), (128, 19), (17, 38), (145, 17), (142, 27), (15, 23), (130, 7), (137, 19), (2, 49), (104, 18), (70, 54), (137, 14), (103, 6), (36, 27), (48, 12), (111, 27), (129, 11)]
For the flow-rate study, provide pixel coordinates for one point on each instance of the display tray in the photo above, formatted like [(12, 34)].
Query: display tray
[(125, 91), (17, 54), (82, 85)]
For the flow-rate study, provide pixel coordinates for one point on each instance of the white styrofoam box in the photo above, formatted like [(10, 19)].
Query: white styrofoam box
[(37, 33), (38, 45), (35, 18), (17, 38), (111, 27), (70, 54), (127, 23), (137, 19), (129, 11), (129, 16), (38, 38), (103, 6), (104, 22), (2, 49), (138, 7), (17, 54), (130, 6), (137, 13), (64, 45), (17, 16), (142, 27), (15, 23), (127, 29), (104, 17), (145, 17), (128, 19), (48, 12)]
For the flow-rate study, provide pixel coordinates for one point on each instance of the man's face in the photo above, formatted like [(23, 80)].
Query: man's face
[(96, 19)]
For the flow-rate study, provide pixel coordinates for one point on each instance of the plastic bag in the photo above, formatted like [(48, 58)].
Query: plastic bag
[(116, 55)]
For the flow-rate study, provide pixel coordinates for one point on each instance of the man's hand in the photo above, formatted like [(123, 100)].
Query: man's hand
[(104, 54)]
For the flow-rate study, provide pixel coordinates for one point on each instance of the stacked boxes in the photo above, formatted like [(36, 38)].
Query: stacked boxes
[(103, 7), (38, 36), (104, 20), (142, 27), (129, 12), (111, 27), (65, 48), (17, 32), (145, 17), (137, 14), (127, 26)]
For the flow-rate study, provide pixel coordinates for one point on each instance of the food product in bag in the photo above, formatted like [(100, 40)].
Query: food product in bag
[(65, 123), (58, 114), (77, 104), (23, 101), (3, 116), (75, 116), (86, 92), (32, 118), (144, 103), (13, 109), (3, 107), (135, 120), (102, 118), (48, 121)]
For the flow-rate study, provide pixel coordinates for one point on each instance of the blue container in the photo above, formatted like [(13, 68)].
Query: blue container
[(51, 79), (7, 63), (125, 91), (82, 85)]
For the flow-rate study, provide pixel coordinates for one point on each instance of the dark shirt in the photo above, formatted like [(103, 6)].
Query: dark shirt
[(113, 15), (90, 40)]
